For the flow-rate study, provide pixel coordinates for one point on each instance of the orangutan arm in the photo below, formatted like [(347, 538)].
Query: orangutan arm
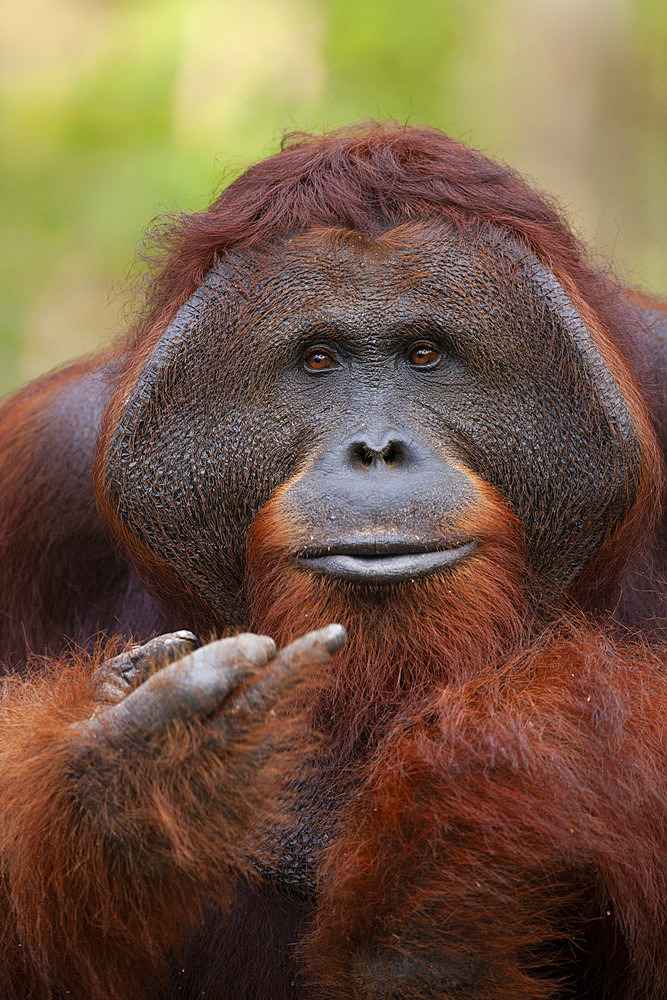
[(124, 801)]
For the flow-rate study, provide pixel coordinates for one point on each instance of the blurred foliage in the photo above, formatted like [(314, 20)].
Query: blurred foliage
[(114, 110)]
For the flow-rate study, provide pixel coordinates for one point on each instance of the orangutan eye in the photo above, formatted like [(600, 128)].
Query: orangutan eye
[(317, 359), (423, 355)]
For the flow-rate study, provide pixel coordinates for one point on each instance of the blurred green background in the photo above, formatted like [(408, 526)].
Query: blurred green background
[(114, 110)]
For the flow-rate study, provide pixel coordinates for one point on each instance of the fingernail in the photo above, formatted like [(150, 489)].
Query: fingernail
[(271, 647), (184, 634), (333, 637)]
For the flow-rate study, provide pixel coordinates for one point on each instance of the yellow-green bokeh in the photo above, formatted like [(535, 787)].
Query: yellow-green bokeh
[(113, 110)]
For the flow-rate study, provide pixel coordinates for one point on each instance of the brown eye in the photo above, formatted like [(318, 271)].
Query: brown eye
[(318, 360), (423, 355)]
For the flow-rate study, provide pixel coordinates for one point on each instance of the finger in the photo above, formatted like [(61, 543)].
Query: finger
[(290, 667), (140, 661), (196, 685), (136, 662), (114, 679)]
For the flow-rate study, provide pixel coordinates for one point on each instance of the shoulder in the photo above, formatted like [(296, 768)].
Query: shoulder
[(48, 432), (61, 576)]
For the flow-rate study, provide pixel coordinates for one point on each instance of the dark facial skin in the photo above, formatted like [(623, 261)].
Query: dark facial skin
[(377, 383)]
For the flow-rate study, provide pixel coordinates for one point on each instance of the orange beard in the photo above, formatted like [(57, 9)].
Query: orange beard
[(406, 640)]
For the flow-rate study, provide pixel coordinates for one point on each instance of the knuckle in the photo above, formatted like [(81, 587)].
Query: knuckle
[(248, 646)]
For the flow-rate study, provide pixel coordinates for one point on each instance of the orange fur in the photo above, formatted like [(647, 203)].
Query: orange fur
[(403, 643), (87, 822), (482, 824)]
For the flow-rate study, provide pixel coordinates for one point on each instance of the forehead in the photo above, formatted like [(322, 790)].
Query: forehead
[(361, 284)]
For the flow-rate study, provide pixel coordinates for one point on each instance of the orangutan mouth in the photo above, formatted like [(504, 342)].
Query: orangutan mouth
[(382, 560)]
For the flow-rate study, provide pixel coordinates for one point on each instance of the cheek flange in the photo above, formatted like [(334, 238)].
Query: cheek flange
[(161, 468), (589, 436), (549, 425)]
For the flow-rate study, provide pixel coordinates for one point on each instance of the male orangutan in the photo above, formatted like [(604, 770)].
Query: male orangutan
[(377, 383)]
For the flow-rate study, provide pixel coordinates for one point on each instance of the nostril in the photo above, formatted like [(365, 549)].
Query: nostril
[(361, 455), (364, 456), (390, 454)]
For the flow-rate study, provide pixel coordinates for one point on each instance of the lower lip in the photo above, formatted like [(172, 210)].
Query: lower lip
[(386, 568)]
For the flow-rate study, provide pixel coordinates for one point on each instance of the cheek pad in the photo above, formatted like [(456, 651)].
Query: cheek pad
[(180, 470), (550, 427)]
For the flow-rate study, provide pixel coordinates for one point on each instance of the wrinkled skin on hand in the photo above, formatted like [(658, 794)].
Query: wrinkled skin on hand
[(228, 690)]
